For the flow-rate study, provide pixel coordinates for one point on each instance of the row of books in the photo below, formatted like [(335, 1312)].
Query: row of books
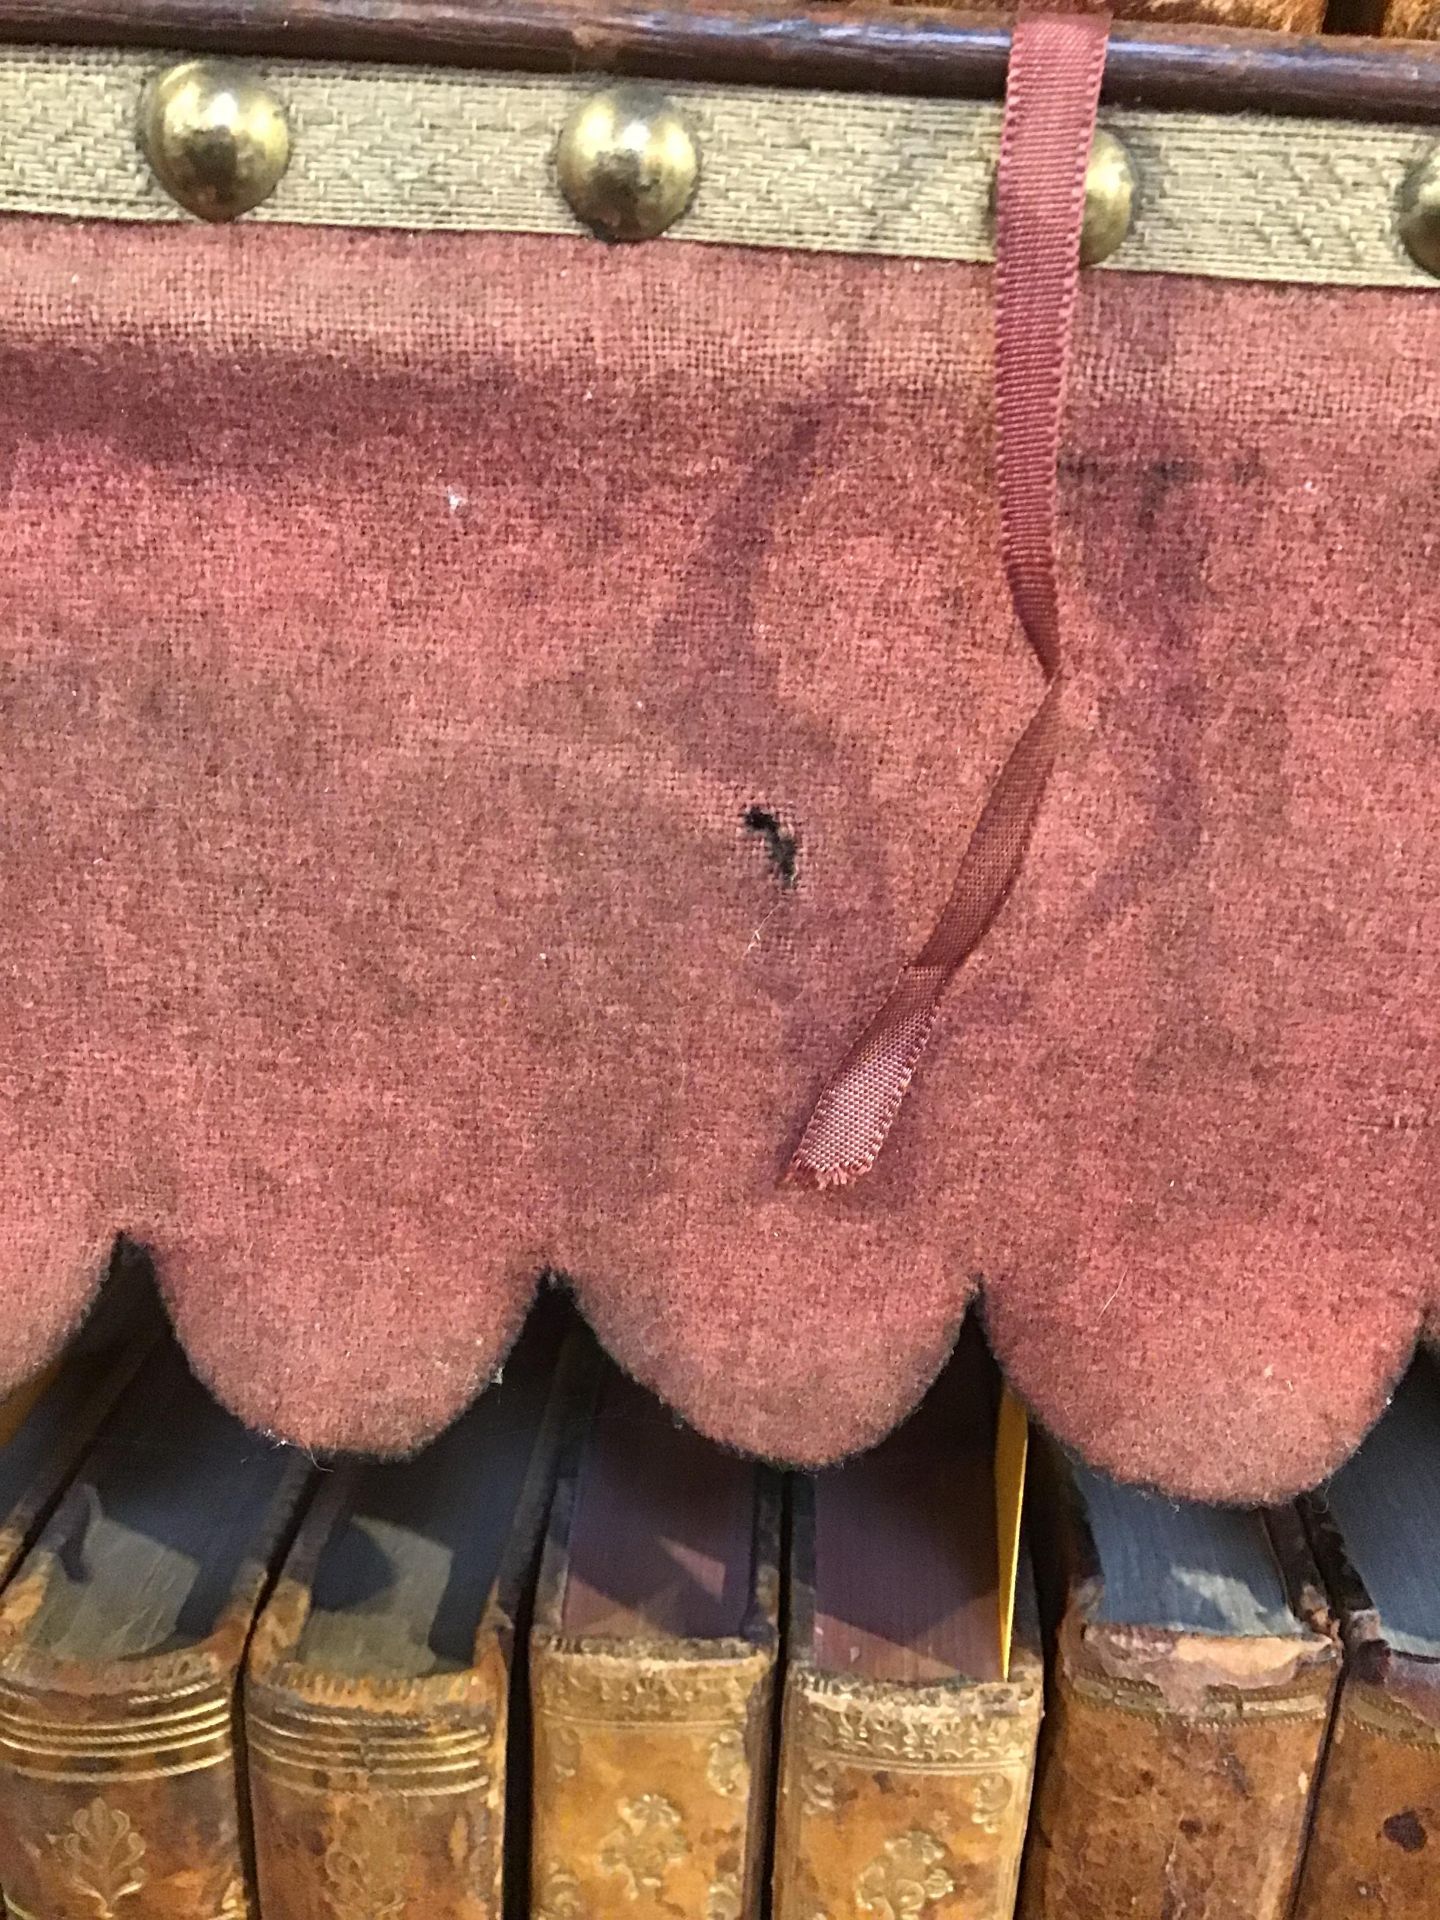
[(573, 1661), (1396, 19)]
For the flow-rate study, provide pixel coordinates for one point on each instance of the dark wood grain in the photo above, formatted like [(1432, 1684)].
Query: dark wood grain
[(852, 47)]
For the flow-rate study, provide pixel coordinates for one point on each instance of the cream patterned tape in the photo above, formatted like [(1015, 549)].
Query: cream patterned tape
[(1228, 196)]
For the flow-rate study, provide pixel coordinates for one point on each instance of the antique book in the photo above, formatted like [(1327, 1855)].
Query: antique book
[(121, 1639), (377, 1697), (47, 1426), (1398, 19), (1375, 1840), (1194, 1669), (906, 1753), (1278, 16), (652, 1662)]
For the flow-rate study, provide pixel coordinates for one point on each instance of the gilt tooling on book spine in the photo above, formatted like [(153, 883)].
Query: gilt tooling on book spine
[(234, 1688)]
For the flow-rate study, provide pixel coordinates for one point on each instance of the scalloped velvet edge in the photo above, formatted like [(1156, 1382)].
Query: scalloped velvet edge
[(1197, 1454)]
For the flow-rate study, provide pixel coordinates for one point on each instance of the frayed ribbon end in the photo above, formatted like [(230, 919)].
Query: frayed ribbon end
[(809, 1178)]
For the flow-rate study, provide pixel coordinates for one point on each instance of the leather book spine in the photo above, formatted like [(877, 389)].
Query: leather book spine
[(651, 1778), (1375, 1829), (1408, 19), (1376, 1832), (125, 1803), (372, 1797), (121, 1791), (1272, 16), (380, 1792), (896, 1799), (1175, 1773)]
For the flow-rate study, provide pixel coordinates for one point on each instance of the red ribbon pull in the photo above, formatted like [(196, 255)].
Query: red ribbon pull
[(1052, 92)]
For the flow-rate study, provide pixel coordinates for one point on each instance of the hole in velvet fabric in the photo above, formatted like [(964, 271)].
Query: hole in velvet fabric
[(782, 848)]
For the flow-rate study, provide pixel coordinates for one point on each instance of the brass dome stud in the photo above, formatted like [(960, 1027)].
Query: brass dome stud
[(1418, 216), (1109, 199), (627, 162), (216, 137)]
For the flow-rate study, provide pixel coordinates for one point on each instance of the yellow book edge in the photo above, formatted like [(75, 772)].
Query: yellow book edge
[(1012, 1445)]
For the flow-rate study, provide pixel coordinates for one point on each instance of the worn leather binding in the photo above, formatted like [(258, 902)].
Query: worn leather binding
[(1175, 1767), (121, 1640), (906, 1757), (377, 1696), (652, 1660), (1402, 19), (1377, 1817), (1376, 1831), (1279, 16)]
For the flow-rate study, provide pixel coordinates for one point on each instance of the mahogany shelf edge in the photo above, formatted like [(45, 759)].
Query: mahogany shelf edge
[(861, 47)]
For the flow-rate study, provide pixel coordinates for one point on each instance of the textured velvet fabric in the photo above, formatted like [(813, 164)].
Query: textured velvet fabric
[(483, 720)]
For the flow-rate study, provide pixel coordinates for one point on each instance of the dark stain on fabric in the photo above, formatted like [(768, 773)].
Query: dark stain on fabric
[(1158, 480), (783, 848)]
